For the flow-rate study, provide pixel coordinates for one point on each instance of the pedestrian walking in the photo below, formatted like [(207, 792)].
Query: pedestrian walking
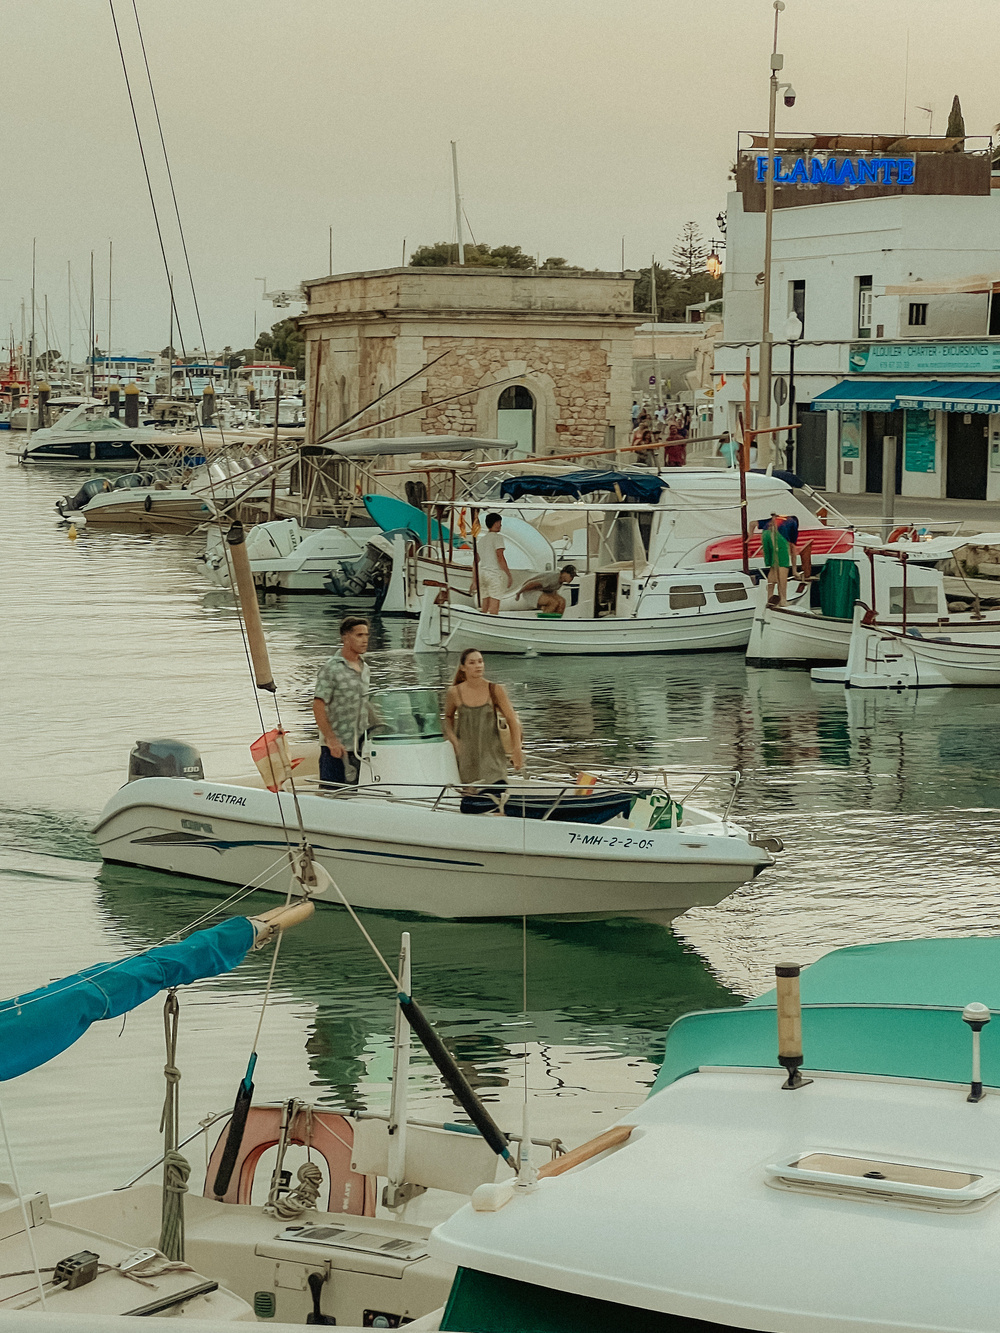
[(676, 447), (340, 705), (473, 709)]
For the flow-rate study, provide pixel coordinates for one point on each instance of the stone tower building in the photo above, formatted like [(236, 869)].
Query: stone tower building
[(540, 357)]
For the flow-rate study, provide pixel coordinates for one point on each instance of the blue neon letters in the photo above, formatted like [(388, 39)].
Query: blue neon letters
[(840, 171)]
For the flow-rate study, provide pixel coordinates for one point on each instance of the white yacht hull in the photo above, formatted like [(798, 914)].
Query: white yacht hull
[(407, 857), (526, 631), (783, 635), (891, 660), (285, 557)]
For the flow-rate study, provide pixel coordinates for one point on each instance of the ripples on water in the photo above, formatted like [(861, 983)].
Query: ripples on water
[(888, 809)]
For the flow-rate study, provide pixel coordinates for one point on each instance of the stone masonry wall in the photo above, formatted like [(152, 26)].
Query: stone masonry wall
[(577, 370)]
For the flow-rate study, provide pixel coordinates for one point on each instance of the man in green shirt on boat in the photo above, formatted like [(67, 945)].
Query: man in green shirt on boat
[(778, 540)]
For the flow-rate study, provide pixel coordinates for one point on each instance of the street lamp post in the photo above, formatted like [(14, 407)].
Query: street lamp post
[(793, 332), (767, 341)]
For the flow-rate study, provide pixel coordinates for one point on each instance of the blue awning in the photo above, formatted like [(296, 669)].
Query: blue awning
[(868, 395), (859, 395), (952, 396)]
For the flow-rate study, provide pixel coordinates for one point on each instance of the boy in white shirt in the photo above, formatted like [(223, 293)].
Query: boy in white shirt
[(494, 576)]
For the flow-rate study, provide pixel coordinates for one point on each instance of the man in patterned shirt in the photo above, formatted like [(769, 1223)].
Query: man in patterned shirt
[(340, 704)]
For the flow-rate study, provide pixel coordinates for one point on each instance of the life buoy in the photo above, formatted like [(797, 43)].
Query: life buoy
[(906, 530), (332, 1138)]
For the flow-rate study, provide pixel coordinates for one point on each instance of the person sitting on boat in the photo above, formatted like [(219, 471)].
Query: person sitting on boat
[(494, 576), (340, 705), (547, 586), (472, 712)]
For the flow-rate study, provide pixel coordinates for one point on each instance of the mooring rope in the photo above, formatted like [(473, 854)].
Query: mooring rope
[(176, 1168)]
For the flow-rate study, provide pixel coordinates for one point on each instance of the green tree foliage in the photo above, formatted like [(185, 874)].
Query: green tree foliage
[(690, 252), (674, 292), (442, 253), (956, 121), (285, 343), (554, 262)]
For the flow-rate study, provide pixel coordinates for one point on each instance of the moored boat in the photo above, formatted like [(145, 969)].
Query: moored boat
[(408, 837)]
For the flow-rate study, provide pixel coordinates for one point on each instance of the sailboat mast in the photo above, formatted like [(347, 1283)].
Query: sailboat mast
[(31, 345), (111, 249), (458, 203), (170, 340), (69, 318), (93, 330)]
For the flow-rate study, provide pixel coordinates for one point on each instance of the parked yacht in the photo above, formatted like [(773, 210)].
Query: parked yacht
[(86, 434), (831, 1167), (410, 838)]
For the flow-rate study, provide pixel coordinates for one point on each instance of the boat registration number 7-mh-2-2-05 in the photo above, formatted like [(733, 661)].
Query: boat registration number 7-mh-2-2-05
[(606, 840)]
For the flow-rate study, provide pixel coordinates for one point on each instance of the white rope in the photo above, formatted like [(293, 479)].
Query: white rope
[(24, 1211)]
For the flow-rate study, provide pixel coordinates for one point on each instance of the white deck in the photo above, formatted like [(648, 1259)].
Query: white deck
[(680, 1219)]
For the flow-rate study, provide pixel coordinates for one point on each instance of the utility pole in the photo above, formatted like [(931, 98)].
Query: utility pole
[(69, 318), (652, 331), (458, 203), (330, 269), (766, 340)]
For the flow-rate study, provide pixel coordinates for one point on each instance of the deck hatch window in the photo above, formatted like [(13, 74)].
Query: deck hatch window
[(881, 1180), (730, 592), (686, 595)]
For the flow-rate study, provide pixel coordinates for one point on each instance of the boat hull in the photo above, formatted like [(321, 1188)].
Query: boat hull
[(614, 634), (402, 857), (895, 661), (784, 636)]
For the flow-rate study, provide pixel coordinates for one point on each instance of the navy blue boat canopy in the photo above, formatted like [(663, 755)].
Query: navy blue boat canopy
[(641, 487)]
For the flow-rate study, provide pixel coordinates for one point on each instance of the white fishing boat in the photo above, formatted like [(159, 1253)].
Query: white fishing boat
[(856, 1186), (410, 838), (816, 624), (954, 650), (170, 498), (289, 555)]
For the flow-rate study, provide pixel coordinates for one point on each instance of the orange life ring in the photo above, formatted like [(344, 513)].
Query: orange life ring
[(897, 534), (332, 1139)]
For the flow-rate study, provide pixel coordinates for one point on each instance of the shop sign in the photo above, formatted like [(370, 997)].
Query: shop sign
[(940, 358), (842, 171), (919, 441)]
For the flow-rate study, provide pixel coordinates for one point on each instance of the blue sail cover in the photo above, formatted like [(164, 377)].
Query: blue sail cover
[(642, 487), (36, 1027)]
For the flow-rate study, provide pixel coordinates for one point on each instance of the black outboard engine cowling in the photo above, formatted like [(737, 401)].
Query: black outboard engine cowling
[(165, 759)]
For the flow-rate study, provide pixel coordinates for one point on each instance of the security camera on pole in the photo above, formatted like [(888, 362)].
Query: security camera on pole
[(764, 372)]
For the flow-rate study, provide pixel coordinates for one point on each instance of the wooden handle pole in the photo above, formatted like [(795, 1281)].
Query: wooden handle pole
[(247, 593), (789, 1005), (611, 1138)]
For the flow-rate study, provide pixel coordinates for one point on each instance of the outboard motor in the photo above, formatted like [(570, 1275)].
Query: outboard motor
[(351, 578), (164, 759)]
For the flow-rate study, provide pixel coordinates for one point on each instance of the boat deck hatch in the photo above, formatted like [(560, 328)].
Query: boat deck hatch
[(364, 1242), (883, 1179)]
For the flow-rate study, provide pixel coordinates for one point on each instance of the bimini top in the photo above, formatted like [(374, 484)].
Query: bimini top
[(891, 1009), (643, 487)]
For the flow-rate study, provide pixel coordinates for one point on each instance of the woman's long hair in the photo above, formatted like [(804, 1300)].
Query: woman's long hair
[(460, 672)]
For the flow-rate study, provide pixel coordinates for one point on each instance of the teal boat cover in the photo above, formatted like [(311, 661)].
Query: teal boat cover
[(38, 1026), (892, 1009)]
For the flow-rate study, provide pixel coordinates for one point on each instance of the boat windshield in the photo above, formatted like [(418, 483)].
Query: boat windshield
[(96, 424), (407, 715)]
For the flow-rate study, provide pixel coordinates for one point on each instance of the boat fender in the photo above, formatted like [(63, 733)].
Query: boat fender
[(147, 504), (492, 1197)]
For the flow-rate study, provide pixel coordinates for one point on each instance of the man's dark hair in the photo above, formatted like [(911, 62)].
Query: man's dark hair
[(570, 570), (352, 622), (493, 518)]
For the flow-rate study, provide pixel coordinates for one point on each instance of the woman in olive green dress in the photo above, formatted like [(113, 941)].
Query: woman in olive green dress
[(472, 711)]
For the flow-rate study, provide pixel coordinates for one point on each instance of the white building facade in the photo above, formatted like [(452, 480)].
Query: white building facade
[(894, 283)]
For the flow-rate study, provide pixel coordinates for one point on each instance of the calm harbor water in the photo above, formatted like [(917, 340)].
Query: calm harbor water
[(888, 808)]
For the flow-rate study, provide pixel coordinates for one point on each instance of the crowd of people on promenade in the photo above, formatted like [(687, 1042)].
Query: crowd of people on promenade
[(665, 428)]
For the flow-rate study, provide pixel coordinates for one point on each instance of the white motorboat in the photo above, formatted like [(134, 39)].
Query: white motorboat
[(169, 498), (816, 625), (86, 434), (289, 555), (856, 1187), (409, 838), (609, 610), (954, 650)]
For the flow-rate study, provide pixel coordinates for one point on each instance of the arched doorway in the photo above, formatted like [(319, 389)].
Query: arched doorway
[(516, 418)]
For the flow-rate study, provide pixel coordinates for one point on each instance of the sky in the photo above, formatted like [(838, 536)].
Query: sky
[(579, 122)]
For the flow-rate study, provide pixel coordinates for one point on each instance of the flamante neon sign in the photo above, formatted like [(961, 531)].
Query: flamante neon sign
[(840, 171)]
